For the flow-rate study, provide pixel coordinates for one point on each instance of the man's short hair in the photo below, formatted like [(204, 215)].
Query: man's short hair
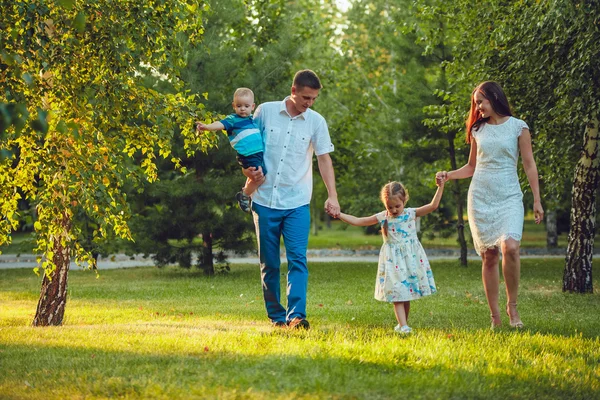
[(307, 78), (243, 92)]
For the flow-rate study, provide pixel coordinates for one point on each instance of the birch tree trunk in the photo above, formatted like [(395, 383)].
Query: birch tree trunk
[(578, 267), (53, 297)]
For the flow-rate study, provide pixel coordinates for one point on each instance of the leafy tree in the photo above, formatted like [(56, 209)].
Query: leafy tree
[(382, 81), (179, 216), (75, 71), (545, 54)]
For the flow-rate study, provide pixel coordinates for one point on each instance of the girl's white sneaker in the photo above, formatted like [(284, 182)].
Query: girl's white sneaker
[(403, 330)]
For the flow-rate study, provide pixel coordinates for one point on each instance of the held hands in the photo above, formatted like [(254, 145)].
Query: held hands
[(332, 207), (538, 212), (441, 177)]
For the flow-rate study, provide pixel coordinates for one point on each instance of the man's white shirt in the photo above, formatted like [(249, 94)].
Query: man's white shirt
[(289, 144)]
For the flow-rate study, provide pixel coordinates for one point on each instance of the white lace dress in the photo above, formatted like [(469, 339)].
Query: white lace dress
[(495, 200)]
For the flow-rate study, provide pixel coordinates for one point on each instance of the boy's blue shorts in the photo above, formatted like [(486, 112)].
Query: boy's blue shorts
[(253, 160)]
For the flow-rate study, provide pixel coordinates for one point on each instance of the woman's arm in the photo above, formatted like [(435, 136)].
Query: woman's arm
[(465, 171), (358, 221), (532, 173), (435, 202)]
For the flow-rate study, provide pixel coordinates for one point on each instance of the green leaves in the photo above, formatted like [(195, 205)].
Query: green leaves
[(75, 106)]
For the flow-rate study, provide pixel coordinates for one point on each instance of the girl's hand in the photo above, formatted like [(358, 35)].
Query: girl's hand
[(441, 177), (201, 127), (538, 212)]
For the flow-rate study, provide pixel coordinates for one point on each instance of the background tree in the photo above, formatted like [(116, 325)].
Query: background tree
[(180, 216), (382, 83), (75, 70), (545, 55)]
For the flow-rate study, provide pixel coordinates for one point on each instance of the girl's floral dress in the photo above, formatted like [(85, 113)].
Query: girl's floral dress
[(403, 273)]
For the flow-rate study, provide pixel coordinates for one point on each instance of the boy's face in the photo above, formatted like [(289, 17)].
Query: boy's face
[(243, 105)]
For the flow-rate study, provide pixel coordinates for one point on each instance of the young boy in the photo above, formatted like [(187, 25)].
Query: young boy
[(245, 138)]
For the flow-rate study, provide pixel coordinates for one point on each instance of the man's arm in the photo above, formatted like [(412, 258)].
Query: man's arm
[(332, 206)]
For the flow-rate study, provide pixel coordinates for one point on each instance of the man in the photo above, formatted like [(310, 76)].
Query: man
[(292, 132)]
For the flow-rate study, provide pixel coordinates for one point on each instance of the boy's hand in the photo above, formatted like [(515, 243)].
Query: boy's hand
[(201, 127)]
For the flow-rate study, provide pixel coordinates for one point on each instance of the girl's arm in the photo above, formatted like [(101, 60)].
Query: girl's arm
[(435, 202), (215, 126), (465, 171), (532, 173), (358, 221)]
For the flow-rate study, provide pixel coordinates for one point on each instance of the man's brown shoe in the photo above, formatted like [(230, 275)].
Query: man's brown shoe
[(298, 323)]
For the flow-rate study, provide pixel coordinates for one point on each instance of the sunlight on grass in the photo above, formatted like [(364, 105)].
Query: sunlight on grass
[(171, 333)]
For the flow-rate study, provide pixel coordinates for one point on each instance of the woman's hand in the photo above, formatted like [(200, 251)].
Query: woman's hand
[(441, 177), (538, 212)]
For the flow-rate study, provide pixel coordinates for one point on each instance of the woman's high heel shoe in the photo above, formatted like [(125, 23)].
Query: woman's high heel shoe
[(496, 321), (514, 318)]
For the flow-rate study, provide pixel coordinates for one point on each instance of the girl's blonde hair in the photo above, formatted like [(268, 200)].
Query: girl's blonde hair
[(392, 189)]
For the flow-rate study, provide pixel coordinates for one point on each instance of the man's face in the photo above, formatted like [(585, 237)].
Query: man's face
[(303, 97)]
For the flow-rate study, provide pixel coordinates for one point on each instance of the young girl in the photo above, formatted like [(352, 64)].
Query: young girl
[(403, 273), (495, 200)]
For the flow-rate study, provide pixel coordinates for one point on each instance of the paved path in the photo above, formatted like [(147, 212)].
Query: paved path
[(9, 261)]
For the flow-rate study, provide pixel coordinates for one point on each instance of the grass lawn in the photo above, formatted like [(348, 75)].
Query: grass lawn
[(171, 333)]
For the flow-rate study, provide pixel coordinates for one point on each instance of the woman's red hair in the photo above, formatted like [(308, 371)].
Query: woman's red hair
[(493, 92)]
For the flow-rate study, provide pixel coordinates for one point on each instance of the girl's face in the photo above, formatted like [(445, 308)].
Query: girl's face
[(395, 206), (483, 106)]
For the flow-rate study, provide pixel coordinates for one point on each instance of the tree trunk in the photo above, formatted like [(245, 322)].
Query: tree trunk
[(551, 230), (578, 267), (206, 263), (53, 296)]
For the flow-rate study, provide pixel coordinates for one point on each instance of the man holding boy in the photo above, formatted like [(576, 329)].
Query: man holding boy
[(292, 132)]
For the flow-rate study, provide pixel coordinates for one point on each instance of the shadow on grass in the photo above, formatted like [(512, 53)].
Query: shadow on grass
[(65, 372)]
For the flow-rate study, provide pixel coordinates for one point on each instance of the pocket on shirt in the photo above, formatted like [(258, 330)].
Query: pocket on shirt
[(301, 144), (273, 136)]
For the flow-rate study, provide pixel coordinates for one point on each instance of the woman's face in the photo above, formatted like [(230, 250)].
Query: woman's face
[(483, 105)]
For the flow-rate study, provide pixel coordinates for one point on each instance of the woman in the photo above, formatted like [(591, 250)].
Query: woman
[(495, 200)]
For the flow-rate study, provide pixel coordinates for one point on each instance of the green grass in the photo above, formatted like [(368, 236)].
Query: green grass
[(171, 333)]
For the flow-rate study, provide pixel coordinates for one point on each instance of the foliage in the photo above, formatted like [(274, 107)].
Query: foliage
[(146, 332), (74, 71), (179, 217), (381, 84)]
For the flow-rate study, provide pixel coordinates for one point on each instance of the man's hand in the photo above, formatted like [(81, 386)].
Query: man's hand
[(332, 207), (253, 173)]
